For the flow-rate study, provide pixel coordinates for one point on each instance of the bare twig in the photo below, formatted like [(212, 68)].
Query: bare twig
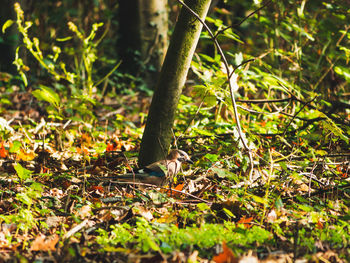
[(76, 229), (305, 104)]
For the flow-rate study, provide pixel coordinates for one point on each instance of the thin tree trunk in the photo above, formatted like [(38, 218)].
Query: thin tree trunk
[(157, 135)]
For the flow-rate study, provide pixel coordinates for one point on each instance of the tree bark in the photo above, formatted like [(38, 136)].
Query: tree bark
[(153, 34), (143, 29), (157, 135)]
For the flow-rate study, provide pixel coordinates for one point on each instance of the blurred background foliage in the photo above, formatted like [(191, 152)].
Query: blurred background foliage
[(300, 51)]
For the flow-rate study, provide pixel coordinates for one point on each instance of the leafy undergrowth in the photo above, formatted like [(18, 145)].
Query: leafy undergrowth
[(61, 199)]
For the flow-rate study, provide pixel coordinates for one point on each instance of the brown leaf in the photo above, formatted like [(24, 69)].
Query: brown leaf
[(84, 211), (44, 244)]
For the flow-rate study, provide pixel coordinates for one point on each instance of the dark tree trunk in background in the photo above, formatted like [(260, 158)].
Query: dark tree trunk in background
[(143, 29), (157, 135), (129, 37), (153, 35), (9, 40)]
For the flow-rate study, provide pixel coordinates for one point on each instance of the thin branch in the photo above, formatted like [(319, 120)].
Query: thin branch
[(229, 74), (238, 66), (285, 130), (335, 119), (264, 101)]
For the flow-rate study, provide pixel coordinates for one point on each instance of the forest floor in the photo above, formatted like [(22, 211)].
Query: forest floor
[(61, 201)]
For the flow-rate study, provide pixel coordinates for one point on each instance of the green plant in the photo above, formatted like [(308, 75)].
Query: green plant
[(80, 77), (22, 173)]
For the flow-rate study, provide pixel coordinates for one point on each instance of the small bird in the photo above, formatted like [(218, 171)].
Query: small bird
[(159, 172)]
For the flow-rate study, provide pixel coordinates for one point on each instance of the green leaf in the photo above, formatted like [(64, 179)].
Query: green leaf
[(211, 157), (259, 199), (64, 39), (48, 95), (279, 203), (331, 126), (203, 132), (228, 212), (203, 207), (24, 198), (7, 24), (16, 145), (223, 173), (22, 173), (24, 78), (342, 71)]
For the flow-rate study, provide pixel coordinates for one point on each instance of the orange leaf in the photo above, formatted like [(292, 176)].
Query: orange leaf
[(179, 187), (85, 137), (114, 145), (171, 193), (96, 188), (44, 169), (339, 168), (110, 147), (245, 221), (226, 256), (129, 195), (82, 150), (25, 156), (3, 152), (319, 225)]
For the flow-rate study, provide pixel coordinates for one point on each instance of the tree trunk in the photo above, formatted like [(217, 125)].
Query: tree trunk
[(157, 135), (9, 39), (129, 36), (143, 29), (153, 34)]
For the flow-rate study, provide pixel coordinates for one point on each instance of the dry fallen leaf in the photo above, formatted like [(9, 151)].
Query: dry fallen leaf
[(176, 193), (248, 259), (84, 211), (43, 243)]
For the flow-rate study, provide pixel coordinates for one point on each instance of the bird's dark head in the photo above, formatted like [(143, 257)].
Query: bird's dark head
[(180, 156)]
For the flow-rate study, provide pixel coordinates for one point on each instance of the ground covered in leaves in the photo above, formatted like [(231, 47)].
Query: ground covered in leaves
[(61, 201)]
